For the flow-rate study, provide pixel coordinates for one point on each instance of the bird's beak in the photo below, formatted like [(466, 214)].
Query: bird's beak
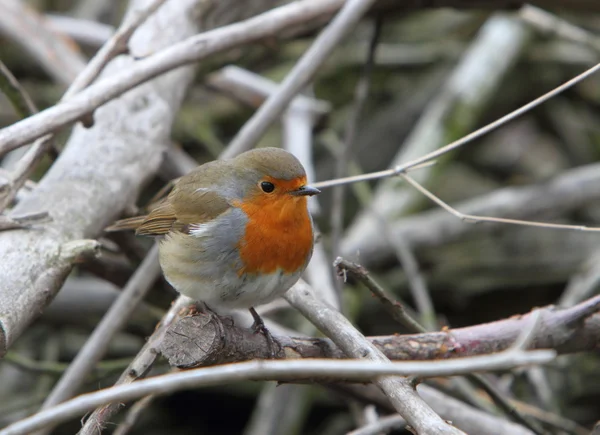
[(305, 191)]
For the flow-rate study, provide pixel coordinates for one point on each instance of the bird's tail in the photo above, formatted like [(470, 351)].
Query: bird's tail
[(131, 223)]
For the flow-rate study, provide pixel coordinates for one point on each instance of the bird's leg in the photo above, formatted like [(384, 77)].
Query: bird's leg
[(259, 326)]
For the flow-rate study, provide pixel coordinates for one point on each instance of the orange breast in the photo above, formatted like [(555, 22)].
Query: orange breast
[(278, 234)]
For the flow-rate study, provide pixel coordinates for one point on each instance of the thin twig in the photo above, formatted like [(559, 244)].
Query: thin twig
[(529, 333), (111, 323), (25, 107), (58, 368), (115, 46), (469, 218), (507, 407), (554, 25), (18, 97), (418, 287), (179, 54), (141, 364), (382, 425), (133, 414), (57, 54), (399, 313), (394, 307), (301, 74), (23, 169), (361, 94), (267, 370), (401, 169), (399, 391)]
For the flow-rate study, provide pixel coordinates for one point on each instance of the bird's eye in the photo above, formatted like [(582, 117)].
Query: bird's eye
[(267, 187)]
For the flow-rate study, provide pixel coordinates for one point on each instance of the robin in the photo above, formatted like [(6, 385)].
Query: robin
[(235, 233)]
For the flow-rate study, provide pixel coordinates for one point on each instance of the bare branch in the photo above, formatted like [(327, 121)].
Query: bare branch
[(568, 191), (201, 340), (473, 219), (399, 391), (300, 76), (290, 370), (83, 191), (116, 45), (183, 53), (59, 56), (111, 323)]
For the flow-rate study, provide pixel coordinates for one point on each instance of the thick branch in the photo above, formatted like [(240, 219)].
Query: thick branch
[(102, 169), (208, 340)]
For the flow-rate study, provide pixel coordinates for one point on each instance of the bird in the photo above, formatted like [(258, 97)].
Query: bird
[(234, 233)]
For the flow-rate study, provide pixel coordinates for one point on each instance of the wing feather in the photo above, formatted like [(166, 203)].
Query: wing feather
[(190, 202)]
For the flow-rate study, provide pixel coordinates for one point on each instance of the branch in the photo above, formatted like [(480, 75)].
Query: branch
[(566, 192), (300, 76), (99, 172), (289, 371), (114, 319), (400, 392), (196, 341), (176, 55), (57, 54)]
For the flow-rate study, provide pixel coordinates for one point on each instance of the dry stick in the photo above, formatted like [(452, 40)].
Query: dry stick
[(182, 53), (553, 25), (401, 394), (23, 221), (361, 94), (57, 54), (17, 96), (133, 414), (140, 365), (289, 370), (573, 189), (160, 102), (399, 314), (88, 32), (112, 322), (408, 261), (464, 140), (396, 309), (301, 74), (473, 219), (115, 46), (382, 425), (25, 106), (417, 285), (198, 341)]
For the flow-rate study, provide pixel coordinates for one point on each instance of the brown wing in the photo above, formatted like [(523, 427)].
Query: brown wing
[(188, 203)]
